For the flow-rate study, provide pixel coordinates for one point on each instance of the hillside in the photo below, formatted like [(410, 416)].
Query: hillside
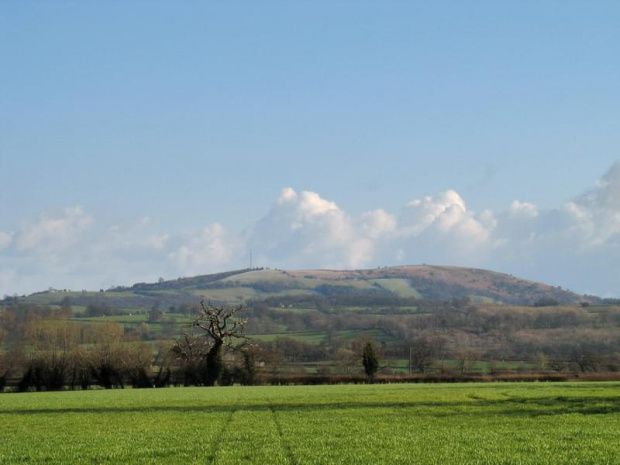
[(401, 282), (424, 319)]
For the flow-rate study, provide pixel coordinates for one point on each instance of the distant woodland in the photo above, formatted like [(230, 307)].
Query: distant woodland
[(48, 348)]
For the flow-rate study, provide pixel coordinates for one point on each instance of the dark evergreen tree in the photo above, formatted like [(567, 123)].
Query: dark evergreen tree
[(370, 360)]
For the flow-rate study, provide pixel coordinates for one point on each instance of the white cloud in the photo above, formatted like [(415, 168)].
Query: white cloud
[(376, 224), (303, 230), (606, 195), (441, 229), (596, 214), (130, 239), (5, 239), (418, 215), (576, 244), (53, 231), (209, 250), (523, 210)]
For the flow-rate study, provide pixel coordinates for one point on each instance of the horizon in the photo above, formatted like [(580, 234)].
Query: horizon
[(161, 140), (161, 280)]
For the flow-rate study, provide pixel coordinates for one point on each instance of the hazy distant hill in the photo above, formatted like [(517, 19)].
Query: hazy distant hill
[(419, 281)]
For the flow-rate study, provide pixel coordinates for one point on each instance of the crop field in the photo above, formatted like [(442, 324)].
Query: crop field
[(518, 423)]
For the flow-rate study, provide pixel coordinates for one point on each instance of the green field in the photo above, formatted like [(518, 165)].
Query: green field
[(517, 423), (401, 287), (317, 337)]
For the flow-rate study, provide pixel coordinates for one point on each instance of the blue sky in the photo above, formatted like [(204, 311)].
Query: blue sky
[(181, 124)]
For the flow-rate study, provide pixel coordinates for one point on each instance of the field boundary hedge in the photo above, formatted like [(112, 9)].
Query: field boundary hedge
[(11, 385), (312, 379)]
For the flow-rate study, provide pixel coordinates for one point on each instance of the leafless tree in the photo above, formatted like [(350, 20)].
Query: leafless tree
[(190, 352), (222, 327)]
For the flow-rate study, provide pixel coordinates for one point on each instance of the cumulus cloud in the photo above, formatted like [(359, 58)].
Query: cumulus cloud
[(523, 210), (419, 214), (576, 244), (5, 239), (303, 229), (54, 231), (210, 249), (130, 239), (440, 229), (376, 224), (68, 248), (596, 214)]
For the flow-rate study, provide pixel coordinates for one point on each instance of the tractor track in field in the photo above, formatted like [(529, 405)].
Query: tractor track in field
[(220, 438), (285, 445)]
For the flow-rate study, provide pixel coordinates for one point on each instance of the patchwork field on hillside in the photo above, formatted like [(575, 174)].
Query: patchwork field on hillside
[(575, 423), (241, 286)]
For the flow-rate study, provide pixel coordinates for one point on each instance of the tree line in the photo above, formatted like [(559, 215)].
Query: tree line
[(47, 350), (44, 348)]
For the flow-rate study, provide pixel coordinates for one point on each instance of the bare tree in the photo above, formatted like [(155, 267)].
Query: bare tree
[(107, 358), (222, 327), (190, 351), (421, 354), (347, 359), (52, 346), (465, 360), (11, 362)]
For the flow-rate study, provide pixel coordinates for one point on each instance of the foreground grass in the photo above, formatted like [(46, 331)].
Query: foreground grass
[(521, 423)]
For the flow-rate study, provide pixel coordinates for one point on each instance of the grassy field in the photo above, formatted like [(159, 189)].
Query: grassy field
[(575, 423), (317, 337), (401, 287)]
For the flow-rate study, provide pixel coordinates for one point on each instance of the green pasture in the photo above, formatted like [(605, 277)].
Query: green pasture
[(134, 319), (309, 337), (257, 275), (369, 311), (44, 298), (400, 287), (241, 294), (512, 423), (480, 299), (376, 334), (121, 319), (299, 310), (317, 337), (401, 366)]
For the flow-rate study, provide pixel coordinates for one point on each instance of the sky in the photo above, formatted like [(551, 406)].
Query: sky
[(153, 139)]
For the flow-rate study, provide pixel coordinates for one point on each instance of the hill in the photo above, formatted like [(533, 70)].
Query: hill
[(424, 319), (400, 282)]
